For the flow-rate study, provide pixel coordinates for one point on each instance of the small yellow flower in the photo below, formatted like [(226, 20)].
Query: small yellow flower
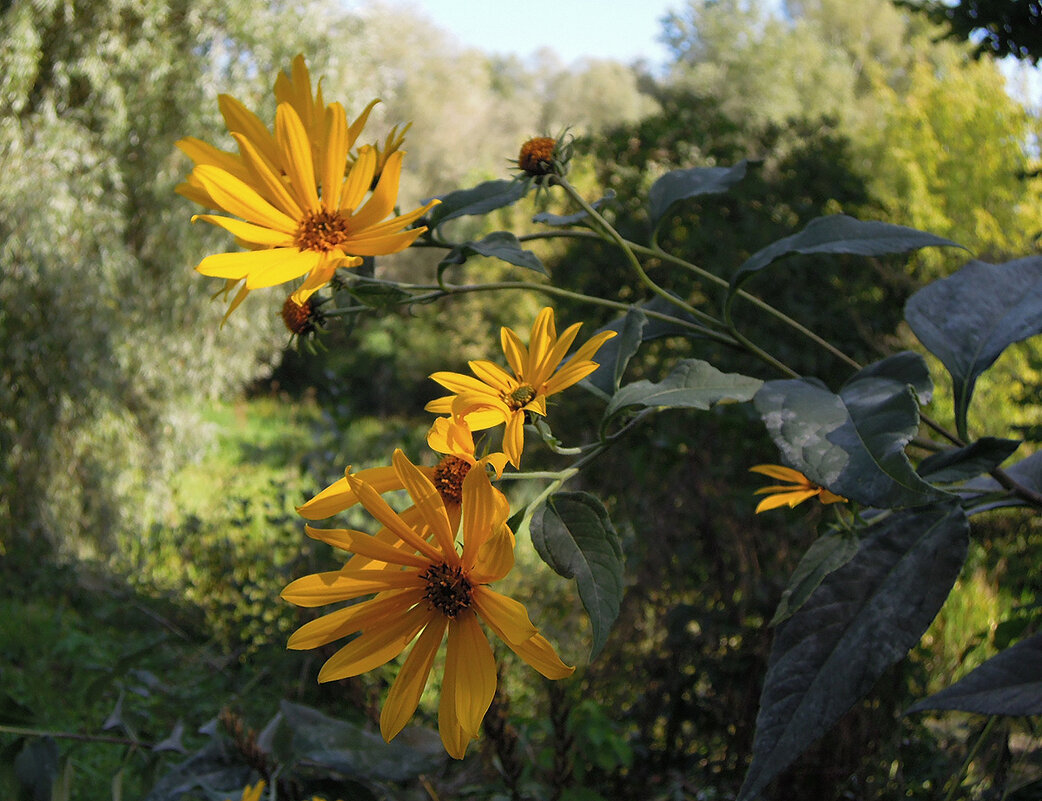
[(425, 590), (496, 396), (253, 793), (799, 490)]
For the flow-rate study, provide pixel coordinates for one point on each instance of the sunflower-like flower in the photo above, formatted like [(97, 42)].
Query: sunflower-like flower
[(495, 396), (450, 437), (424, 591), (799, 489)]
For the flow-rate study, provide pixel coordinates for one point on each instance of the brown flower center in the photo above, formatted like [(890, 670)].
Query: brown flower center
[(519, 397), (448, 478), (537, 156), (448, 589), (322, 231)]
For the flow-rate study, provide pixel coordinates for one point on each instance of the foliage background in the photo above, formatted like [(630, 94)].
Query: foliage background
[(149, 461)]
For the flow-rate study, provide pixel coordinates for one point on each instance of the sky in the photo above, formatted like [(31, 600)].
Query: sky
[(623, 30)]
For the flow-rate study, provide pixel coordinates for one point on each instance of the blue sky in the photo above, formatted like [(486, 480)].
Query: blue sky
[(624, 30)]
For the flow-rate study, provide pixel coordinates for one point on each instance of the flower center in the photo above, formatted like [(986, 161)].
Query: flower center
[(448, 478), (322, 231), (537, 155), (448, 589), (519, 397), (300, 319)]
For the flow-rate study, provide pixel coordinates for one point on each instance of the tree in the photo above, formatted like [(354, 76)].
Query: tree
[(997, 28)]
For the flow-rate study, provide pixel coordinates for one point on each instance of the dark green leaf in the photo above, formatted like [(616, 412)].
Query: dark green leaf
[(378, 296), (482, 199), (36, 767), (967, 319), (1027, 472), (960, 464), (839, 233), (326, 742), (825, 555), (498, 245), (573, 534), (682, 184), (217, 766), (863, 618), (616, 353), (173, 741), (1009, 683), (546, 218), (906, 367), (852, 443), (692, 384)]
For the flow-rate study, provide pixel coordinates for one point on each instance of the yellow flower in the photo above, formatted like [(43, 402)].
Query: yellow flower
[(255, 792), (799, 490), (451, 438), (496, 396), (426, 589)]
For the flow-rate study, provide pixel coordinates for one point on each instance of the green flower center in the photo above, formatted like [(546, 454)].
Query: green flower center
[(519, 397), (322, 231), (448, 589)]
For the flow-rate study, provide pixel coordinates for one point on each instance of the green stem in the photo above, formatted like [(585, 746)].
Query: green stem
[(68, 735), (957, 778), (610, 232)]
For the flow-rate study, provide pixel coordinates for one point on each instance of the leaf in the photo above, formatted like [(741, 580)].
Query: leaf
[(839, 233), (546, 218), (851, 443), (574, 536), (615, 354), (501, 245), (960, 464), (215, 767), (323, 741), (36, 767), (483, 198), (863, 618), (906, 367), (681, 184), (378, 296), (824, 555), (173, 741), (1027, 472), (692, 384), (1009, 683), (967, 319)]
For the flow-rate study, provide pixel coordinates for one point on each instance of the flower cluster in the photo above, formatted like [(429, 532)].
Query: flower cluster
[(303, 201), (421, 588)]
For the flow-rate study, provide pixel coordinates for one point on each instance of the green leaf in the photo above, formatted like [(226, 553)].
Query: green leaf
[(692, 384), (501, 245), (681, 184), (839, 233), (616, 353), (378, 296), (1027, 472), (1009, 683), (827, 554), (557, 220), (967, 319), (482, 199), (851, 443), (216, 767), (336, 745), (863, 618), (960, 464), (36, 767), (906, 367), (573, 534)]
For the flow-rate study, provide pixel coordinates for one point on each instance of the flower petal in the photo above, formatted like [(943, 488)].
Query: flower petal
[(335, 156), (475, 671), (254, 234), (292, 264), (378, 508), (428, 501), (514, 438), (267, 176), (780, 472), (339, 496), (319, 589), (381, 202), (507, 617), (453, 737), (374, 647), (516, 353), (790, 499), (362, 544), (479, 514), (238, 198), (493, 375), (358, 180), (240, 119), (412, 678), (295, 148), (350, 619)]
